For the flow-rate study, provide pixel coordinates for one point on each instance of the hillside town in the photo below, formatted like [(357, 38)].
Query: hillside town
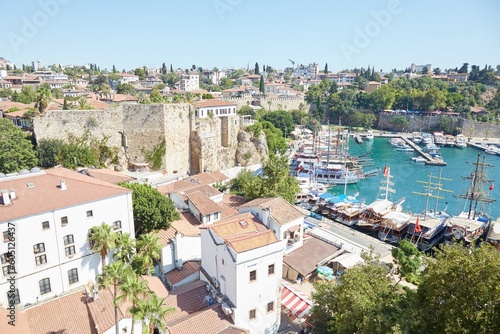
[(164, 200)]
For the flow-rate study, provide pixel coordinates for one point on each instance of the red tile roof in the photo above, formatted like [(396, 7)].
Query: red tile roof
[(281, 211), (176, 186), (30, 201), (156, 286), (208, 320), (21, 322), (186, 299), (102, 311), (209, 177), (188, 268), (68, 314), (203, 203), (107, 175)]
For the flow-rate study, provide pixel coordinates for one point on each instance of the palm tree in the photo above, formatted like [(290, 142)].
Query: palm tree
[(102, 239), (178, 98), (153, 310), (43, 99), (125, 247), (83, 104), (190, 97), (113, 274), (134, 289), (148, 250)]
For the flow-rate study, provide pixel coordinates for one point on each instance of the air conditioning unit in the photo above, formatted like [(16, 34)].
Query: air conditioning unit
[(216, 281), (226, 309)]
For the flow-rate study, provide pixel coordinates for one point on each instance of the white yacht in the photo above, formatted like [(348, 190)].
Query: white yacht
[(369, 135), (460, 141)]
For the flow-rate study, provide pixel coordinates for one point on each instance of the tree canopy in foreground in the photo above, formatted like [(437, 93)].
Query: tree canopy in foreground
[(16, 150)]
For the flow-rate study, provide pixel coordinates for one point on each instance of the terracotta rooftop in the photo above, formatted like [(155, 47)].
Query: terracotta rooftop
[(124, 97), (107, 175), (281, 211), (212, 103), (156, 286), (306, 258), (233, 330), (203, 203), (102, 311), (209, 177), (176, 186), (186, 299), (209, 320), (6, 105), (188, 268), (33, 200), (234, 201), (227, 210), (68, 314), (165, 236), (21, 324), (243, 232), (187, 225)]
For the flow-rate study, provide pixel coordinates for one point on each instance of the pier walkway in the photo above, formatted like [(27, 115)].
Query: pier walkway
[(429, 160)]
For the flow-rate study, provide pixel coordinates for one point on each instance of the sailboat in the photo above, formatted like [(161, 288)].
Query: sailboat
[(472, 223), (375, 213), (427, 229)]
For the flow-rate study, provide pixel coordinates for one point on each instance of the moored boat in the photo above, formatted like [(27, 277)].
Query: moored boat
[(472, 224), (460, 141), (416, 137), (394, 226), (369, 135), (439, 138), (450, 140)]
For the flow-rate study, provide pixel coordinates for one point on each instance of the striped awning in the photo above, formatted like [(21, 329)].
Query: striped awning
[(295, 301)]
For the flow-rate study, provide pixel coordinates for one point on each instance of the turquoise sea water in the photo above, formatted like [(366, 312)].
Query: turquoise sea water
[(405, 174)]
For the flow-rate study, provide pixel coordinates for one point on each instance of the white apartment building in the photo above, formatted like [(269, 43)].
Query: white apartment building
[(242, 260), (190, 82), (45, 218), (309, 72), (214, 108), (127, 78), (284, 219), (420, 68)]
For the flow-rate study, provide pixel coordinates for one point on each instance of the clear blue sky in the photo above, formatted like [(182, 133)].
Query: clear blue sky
[(232, 33)]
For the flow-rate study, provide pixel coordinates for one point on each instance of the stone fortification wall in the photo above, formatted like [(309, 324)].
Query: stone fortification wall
[(469, 128), (279, 103), (192, 145)]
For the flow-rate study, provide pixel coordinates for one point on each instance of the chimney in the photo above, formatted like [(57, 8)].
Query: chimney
[(12, 194), (5, 197), (63, 185), (266, 213)]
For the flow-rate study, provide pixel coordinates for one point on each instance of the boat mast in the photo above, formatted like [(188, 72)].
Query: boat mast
[(329, 141), (345, 183)]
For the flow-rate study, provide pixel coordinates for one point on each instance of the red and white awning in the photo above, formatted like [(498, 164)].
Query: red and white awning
[(295, 301)]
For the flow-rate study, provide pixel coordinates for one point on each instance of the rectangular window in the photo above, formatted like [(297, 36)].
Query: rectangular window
[(64, 221), (270, 269), (44, 286), (252, 314), (68, 239), (41, 259), (270, 307), (117, 225), (6, 236), (4, 258), (69, 250), (13, 297), (89, 214), (73, 276), (45, 225), (253, 275), (39, 248)]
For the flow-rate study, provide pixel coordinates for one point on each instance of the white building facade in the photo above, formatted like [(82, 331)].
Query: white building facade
[(190, 82), (214, 108), (45, 222), (243, 261)]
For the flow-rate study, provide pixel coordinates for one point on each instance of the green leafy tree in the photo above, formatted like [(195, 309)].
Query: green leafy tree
[(400, 122), (125, 247), (152, 210), (364, 301), (133, 289), (459, 291), (226, 83), (125, 88), (407, 259), (47, 152), (102, 239), (148, 251), (43, 99), (112, 275), (281, 119), (153, 311), (262, 87), (16, 150)]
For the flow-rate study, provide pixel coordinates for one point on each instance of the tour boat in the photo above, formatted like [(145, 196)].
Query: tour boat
[(494, 234), (460, 141), (394, 226), (472, 223)]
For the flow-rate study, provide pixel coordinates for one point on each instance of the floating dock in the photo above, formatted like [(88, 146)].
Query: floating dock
[(428, 159)]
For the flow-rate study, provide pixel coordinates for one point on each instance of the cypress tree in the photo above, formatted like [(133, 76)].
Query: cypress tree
[(256, 71), (164, 69), (65, 104), (114, 69), (171, 69), (262, 88), (326, 68)]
